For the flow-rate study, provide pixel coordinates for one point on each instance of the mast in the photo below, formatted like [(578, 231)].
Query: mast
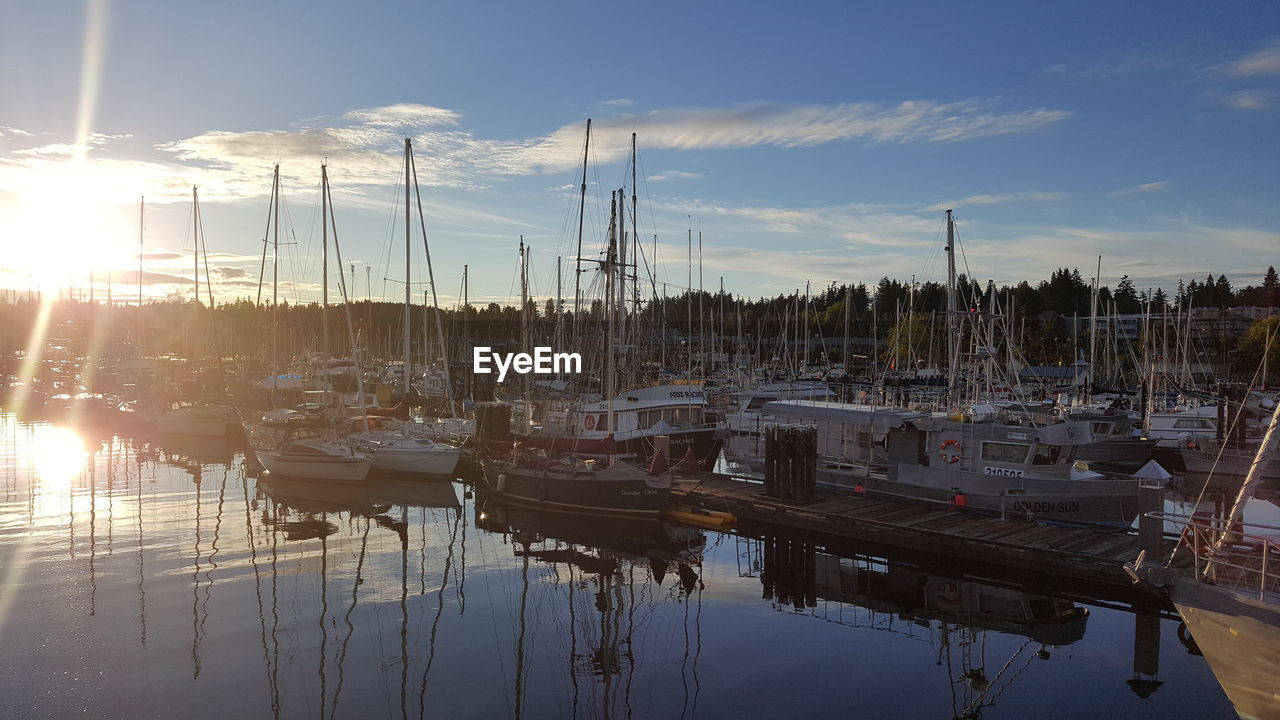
[(953, 342), (435, 299), (610, 258), (702, 337), (324, 259), (195, 244), (275, 277), (408, 360), (688, 302), (1093, 330), (524, 326), (582, 208), (635, 231), (844, 353)]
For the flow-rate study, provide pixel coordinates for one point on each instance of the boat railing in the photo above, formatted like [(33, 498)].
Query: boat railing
[(1242, 555)]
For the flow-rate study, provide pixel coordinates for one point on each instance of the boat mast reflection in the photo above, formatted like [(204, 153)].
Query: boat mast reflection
[(600, 555)]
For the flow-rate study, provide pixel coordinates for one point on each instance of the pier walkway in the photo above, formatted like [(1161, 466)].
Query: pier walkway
[(1092, 555)]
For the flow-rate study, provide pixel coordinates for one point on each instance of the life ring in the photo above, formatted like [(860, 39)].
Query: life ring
[(949, 457), (948, 593), (589, 422)]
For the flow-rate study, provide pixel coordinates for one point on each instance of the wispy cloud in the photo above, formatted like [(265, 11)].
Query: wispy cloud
[(617, 102), (673, 175), (362, 145), (992, 199), (775, 125), (1143, 188), (1265, 61), (1251, 99), (1136, 62)]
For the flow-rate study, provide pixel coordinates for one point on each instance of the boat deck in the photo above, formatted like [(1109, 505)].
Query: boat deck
[(1095, 555)]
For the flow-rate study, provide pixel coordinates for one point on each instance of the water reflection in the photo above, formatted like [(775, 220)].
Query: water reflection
[(313, 609)]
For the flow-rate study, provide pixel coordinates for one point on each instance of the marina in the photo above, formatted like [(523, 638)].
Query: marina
[(712, 360), (191, 584)]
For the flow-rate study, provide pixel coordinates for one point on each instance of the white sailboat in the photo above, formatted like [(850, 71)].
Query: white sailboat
[(307, 454)]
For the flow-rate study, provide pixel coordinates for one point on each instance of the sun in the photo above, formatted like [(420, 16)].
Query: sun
[(66, 226), (58, 455)]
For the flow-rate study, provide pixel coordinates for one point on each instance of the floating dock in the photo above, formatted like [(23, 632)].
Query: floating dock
[(1092, 555)]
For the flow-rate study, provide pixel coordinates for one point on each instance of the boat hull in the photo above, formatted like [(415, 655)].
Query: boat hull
[(577, 491), (415, 461), (315, 469), (1105, 502), (1239, 636)]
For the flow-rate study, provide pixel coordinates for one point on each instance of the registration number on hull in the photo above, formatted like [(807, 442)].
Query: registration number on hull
[(1001, 472)]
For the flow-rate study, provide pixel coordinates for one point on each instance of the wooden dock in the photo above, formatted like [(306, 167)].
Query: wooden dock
[(1092, 555)]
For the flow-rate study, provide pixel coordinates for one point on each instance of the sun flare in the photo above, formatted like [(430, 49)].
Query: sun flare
[(58, 455)]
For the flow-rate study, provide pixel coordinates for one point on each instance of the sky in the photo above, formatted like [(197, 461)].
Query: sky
[(801, 143)]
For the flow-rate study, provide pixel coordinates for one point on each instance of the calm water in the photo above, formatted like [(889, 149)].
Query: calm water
[(156, 578)]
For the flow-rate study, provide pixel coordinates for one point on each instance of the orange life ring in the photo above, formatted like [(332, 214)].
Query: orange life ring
[(589, 422), (949, 457)]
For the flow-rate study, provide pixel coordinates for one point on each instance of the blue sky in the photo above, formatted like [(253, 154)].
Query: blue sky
[(818, 142)]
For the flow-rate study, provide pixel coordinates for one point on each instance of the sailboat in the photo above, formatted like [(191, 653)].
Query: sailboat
[(392, 447), (187, 417), (1230, 598)]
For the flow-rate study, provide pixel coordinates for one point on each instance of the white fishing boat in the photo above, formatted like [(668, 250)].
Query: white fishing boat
[(747, 422), (991, 464), (192, 418), (307, 455)]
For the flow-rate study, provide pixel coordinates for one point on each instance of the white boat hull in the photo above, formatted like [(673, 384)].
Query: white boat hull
[(315, 468), (438, 462)]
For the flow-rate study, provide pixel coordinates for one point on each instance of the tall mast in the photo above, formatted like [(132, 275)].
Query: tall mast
[(324, 258), (524, 325), (582, 208), (702, 336), (435, 299), (465, 304), (408, 360), (953, 342), (275, 275), (195, 242), (620, 305), (1093, 329), (635, 232), (610, 258), (844, 353)]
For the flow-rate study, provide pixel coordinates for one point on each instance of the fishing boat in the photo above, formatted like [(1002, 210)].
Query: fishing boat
[(569, 482), (306, 454), (975, 459), (1230, 597), (747, 422), (631, 422)]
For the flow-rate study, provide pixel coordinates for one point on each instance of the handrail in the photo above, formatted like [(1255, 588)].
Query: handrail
[(1215, 557)]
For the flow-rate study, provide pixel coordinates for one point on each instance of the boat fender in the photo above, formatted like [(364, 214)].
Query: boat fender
[(1192, 444), (950, 451), (502, 482), (860, 488), (958, 499)]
